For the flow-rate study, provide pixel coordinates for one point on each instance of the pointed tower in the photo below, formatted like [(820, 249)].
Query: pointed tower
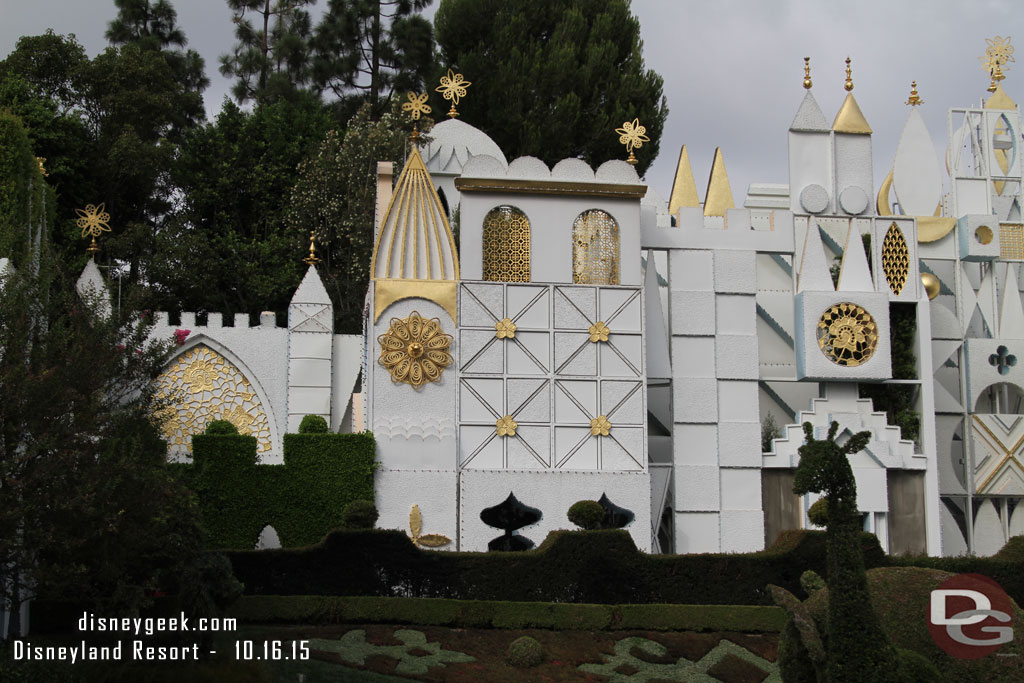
[(810, 156), (90, 287), (854, 182), (718, 198), (310, 345), (684, 188)]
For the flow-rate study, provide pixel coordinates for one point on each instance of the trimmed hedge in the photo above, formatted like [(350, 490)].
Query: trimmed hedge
[(311, 609), (302, 499), (602, 567)]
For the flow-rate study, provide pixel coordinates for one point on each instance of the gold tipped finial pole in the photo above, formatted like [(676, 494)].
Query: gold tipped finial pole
[(453, 86), (312, 259), (807, 73), (94, 221), (633, 136), (998, 55), (849, 79), (915, 99), (416, 105)]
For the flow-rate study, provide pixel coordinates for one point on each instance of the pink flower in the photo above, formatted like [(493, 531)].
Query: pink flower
[(180, 336)]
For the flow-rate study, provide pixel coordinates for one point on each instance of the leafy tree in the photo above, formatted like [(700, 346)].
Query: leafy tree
[(227, 248), (553, 78), (153, 26), (271, 59), (371, 48), (335, 196), (858, 649), (88, 507)]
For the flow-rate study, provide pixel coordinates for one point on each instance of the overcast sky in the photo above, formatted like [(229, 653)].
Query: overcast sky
[(732, 68)]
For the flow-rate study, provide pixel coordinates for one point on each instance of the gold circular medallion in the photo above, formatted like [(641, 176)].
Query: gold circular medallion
[(847, 334)]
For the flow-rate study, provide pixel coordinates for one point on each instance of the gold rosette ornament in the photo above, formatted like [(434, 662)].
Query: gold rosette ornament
[(506, 426), (600, 426), (599, 332), (847, 334), (93, 221), (505, 329), (415, 350)]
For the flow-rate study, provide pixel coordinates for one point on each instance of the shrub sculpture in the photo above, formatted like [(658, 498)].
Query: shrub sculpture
[(313, 424), (524, 652), (818, 513), (586, 514), (857, 647), (221, 428), (360, 514)]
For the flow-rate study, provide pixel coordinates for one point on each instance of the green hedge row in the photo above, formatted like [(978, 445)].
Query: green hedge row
[(309, 609), (302, 499), (600, 567)]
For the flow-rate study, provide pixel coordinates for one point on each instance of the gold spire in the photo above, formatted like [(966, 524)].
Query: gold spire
[(94, 221), (849, 80), (684, 188), (807, 73), (312, 259), (997, 55), (850, 119), (915, 99), (718, 198), (452, 87), (633, 136)]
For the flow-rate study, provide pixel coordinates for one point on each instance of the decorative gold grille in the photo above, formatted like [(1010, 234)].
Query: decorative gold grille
[(506, 245), (415, 350), (595, 249), (201, 386), (1011, 242), (895, 259), (847, 334)]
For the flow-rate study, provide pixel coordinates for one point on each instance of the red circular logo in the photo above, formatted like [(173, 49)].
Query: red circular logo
[(970, 616)]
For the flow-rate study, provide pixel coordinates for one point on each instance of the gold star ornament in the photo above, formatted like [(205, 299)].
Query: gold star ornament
[(453, 86), (94, 221), (633, 136), (416, 105)]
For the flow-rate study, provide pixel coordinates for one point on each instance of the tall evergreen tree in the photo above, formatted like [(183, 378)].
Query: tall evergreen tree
[(270, 61), (553, 78), (368, 49), (152, 25)]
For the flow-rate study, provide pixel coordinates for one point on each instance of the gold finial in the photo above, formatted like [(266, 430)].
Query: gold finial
[(633, 136), (807, 73), (452, 88), (915, 99), (416, 105), (997, 55), (849, 81), (312, 259), (93, 221), (42, 168)]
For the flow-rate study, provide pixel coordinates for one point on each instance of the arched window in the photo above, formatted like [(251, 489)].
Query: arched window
[(506, 245), (595, 249)]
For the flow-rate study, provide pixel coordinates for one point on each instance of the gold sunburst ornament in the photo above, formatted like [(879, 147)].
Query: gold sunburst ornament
[(94, 221), (415, 350), (416, 106), (453, 86), (633, 136), (997, 55), (847, 334)]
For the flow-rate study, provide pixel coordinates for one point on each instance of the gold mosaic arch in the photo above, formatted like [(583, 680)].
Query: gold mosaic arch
[(506, 245), (895, 259), (200, 386), (847, 334), (595, 249)]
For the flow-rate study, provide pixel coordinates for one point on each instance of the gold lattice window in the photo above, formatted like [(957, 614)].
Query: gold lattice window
[(506, 245), (595, 249), (200, 386), (1011, 242)]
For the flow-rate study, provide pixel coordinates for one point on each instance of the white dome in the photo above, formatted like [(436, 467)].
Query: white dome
[(454, 143)]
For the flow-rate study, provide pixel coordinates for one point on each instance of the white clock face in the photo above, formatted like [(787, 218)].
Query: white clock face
[(847, 334)]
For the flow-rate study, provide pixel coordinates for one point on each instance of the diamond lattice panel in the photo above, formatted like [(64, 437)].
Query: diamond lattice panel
[(998, 442)]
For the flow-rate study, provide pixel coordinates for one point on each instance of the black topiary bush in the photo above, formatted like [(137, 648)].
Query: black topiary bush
[(360, 514), (313, 424), (221, 428), (586, 514), (818, 513)]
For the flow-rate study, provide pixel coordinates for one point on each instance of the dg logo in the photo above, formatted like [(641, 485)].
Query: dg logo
[(970, 616)]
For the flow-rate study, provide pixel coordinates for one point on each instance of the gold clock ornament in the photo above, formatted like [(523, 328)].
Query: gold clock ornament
[(415, 350), (847, 334)]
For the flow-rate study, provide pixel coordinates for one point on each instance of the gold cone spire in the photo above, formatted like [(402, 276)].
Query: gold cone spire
[(684, 187), (718, 198), (312, 259)]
